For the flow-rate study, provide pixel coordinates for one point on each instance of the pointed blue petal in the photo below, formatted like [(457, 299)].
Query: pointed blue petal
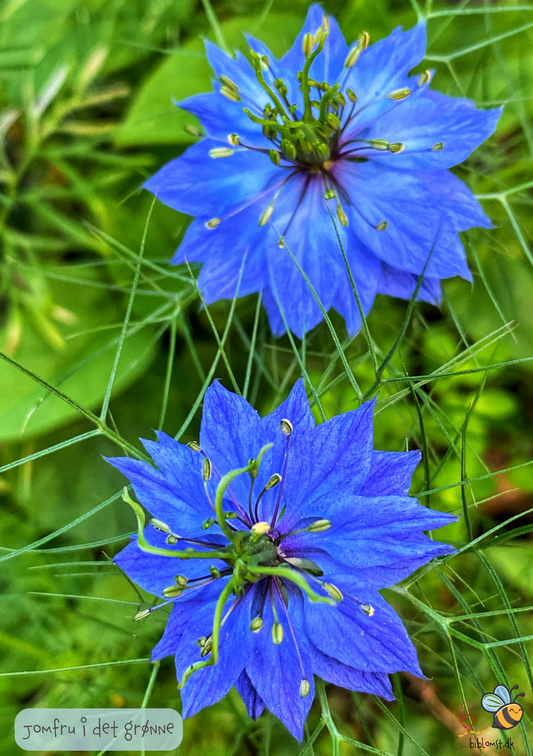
[(252, 700), (198, 184), (420, 226), (423, 121), (277, 671), (209, 685)]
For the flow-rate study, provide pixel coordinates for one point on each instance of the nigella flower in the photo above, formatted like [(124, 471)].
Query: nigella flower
[(334, 128), (271, 541)]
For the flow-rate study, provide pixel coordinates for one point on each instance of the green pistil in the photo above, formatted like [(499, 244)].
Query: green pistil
[(304, 86)]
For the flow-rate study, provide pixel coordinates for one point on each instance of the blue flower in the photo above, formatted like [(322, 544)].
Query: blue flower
[(334, 128), (272, 541)]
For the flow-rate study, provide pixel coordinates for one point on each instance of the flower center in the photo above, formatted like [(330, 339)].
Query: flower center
[(312, 135)]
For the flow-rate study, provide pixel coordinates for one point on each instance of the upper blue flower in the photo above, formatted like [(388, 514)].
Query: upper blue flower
[(289, 530), (327, 126)]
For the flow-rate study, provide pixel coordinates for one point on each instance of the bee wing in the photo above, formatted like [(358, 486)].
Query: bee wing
[(503, 692), (492, 702)]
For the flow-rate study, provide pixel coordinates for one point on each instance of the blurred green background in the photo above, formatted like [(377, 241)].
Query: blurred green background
[(86, 114)]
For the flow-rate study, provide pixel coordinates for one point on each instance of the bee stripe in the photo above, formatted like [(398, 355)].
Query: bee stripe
[(505, 716)]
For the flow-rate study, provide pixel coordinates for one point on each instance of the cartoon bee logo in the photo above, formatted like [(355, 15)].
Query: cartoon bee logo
[(507, 713)]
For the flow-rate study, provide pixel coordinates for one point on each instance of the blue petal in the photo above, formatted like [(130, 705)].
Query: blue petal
[(371, 644), (300, 217), (330, 62), (334, 457), (220, 117), (390, 473), (374, 531), (366, 271), (238, 242), (240, 72), (154, 572), (398, 283), (198, 184), (277, 326), (276, 671), (419, 225), (464, 209), (180, 505), (421, 122), (252, 700), (382, 68), (231, 434), (294, 59), (331, 670), (296, 409), (207, 686)]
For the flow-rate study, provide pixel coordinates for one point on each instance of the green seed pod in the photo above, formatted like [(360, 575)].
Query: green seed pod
[(333, 121), (307, 44), (399, 94), (364, 40), (274, 480), (227, 82), (206, 469), (322, 150), (341, 215), (221, 152), (141, 615), (173, 591), (351, 95), (256, 624), (260, 528), (159, 525), (277, 633), (193, 131), (351, 58), (319, 526), (266, 214), (288, 149), (333, 591), (230, 94), (380, 144), (286, 426)]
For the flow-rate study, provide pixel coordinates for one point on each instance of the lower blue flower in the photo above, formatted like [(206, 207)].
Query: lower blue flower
[(272, 539)]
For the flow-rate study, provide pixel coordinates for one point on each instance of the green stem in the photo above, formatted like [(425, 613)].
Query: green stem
[(294, 577), (223, 485), (145, 546), (304, 86)]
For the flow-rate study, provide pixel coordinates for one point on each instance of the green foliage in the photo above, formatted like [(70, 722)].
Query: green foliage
[(90, 308)]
